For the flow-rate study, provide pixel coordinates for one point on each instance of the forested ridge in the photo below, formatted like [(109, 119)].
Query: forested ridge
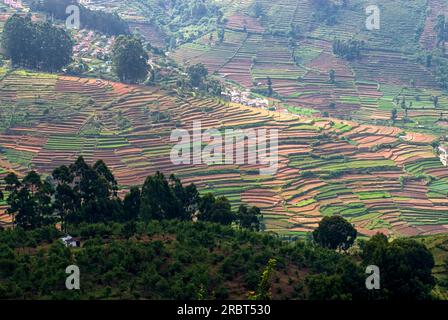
[(166, 241)]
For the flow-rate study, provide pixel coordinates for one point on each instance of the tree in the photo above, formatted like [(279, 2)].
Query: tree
[(216, 210), (32, 181), (105, 22), (221, 212), (294, 31), (188, 197), (29, 201), (326, 11), (331, 76), (405, 265), (130, 59), (257, 9), (335, 233), (435, 101), (441, 30), (344, 279), (393, 115), (249, 218), (270, 90), (221, 34), (66, 204), (36, 45), (57, 47), (197, 74), (131, 204), (101, 168), (214, 87), (264, 287), (158, 200), (348, 50), (17, 36), (63, 175)]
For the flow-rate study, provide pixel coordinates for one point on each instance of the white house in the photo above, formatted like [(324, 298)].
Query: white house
[(69, 241), (443, 155)]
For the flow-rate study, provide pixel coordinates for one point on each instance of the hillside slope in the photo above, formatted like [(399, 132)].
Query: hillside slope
[(365, 89), (380, 178)]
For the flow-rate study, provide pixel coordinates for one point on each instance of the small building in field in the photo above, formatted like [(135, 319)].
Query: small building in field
[(69, 241), (443, 154)]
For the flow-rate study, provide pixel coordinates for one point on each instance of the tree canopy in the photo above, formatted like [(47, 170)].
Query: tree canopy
[(335, 233), (36, 45), (405, 266), (105, 22), (81, 193), (197, 74), (130, 59)]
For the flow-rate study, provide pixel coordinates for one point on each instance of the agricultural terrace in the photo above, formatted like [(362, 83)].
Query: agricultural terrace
[(364, 90), (380, 178)]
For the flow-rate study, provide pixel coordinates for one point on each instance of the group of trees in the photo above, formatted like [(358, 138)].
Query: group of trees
[(198, 79), (130, 59), (197, 74), (332, 76), (36, 45), (82, 193), (266, 90), (177, 257), (335, 233), (257, 9), (405, 265), (441, 29), (105, 22), (327, 10), (349, 50), (178, 15), (193, 9), (438, 63)]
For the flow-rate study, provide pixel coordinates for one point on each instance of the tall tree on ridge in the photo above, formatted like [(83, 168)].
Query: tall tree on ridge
[(130, 59)]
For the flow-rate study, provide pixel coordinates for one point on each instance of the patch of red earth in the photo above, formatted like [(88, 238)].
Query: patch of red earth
[(239, 21), (326, 62), (419, 137), (238, 69), (4, 17), (260, 197), (155, 37)]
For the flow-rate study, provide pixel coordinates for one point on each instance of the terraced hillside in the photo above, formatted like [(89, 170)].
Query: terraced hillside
[(364, 90), (380, 178)]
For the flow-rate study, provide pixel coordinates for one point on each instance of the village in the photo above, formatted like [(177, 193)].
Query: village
[(245, 98)]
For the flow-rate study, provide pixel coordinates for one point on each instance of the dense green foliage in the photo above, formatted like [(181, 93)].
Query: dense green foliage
[(36, 45), (441, 29), (108, 23), (163, 260), (335, 233), (349, 50), (171, 259), (405, 266), (184, 20), (197, 74), (166, 241), (327, 10), (82, 193), (130, 59)]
